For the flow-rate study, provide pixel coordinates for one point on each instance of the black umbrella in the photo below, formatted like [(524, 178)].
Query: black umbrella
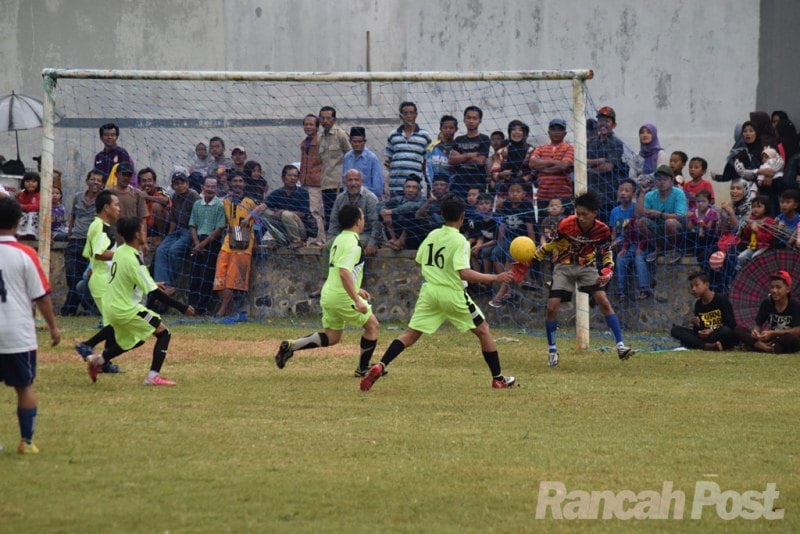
[(20, 112), (751, 285)]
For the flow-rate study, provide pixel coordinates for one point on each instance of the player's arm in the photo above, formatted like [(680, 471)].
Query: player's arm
[(346, 276), (474, 277), (108, 255), (45, 307), (557, 244), (159, 295)]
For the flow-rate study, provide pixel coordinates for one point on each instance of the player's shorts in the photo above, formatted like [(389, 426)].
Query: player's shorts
[(18, 370), (128, 333), (437, 304), (233, 271), (567, 275), (337, 312)]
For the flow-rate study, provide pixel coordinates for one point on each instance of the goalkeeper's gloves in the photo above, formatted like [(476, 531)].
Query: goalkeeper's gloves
[(605, 276), (518, 270)]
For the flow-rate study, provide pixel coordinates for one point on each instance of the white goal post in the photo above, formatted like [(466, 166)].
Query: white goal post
[(51, 76)]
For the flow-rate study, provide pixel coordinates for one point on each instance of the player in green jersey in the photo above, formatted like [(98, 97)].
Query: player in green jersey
[(342, 300), (444, 258)]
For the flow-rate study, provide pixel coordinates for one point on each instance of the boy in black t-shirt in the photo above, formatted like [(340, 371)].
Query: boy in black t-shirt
[(713, 322), (777, 328), (469, 154)]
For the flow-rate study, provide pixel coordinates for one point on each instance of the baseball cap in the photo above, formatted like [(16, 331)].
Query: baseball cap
[(124, 168), (179, 177), (558, 122), (239, 148), (607, 111), (782, 275), (665, 169)]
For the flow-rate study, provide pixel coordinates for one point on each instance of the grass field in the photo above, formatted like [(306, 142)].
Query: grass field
[(240, 446)]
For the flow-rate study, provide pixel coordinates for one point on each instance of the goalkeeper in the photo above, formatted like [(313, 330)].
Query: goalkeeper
[(580, 240), (343, 301)]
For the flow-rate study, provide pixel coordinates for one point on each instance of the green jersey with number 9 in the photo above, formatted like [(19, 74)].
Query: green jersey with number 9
[(442, 255)]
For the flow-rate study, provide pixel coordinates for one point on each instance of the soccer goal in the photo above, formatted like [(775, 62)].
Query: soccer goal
[(162, 115)]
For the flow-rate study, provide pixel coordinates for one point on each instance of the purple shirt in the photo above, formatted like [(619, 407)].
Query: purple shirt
[(104, 161)]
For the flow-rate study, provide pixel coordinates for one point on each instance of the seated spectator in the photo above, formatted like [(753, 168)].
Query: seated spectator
[(471, 208), (757, 234), (660, 215), (158, 205), (429, 215), (238, 157), (482, 236), (745, 154), (769, 177), (677, 161), (255, 185), (364, 160), (651, 155), (58, 217), (131, 200), (787, 222), (777, 323), (216, 147), (697, 169), (233, 265), (289, 209), (29, 200), (206, 224), (517, 219), (702, 223), (633, 272), (358, 195), (171, 254), (713, 322), (203, 162), (397, 215)]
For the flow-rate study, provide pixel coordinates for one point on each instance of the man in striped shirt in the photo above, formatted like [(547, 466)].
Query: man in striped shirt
[(405, 151), (553, 163)]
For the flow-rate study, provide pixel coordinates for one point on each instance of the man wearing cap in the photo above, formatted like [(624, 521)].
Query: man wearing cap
[(777, 323), (171, 255), (553, 163), (112, 153), (239, 156), (605, 166), (364, 160), (132, 201), (333, 145), (661, 214)]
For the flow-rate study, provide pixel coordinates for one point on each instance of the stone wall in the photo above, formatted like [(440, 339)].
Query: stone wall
[(282, 283)]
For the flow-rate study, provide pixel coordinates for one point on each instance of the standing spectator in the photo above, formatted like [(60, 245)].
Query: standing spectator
[(29, 200), (255, 185), (713, 322), (171, 254), (131, 200), (437, 156), (553, 164), (238, 156), (206, 224), (777, 324), (397, 215), (697, 169), (311, 172), (605, 166), (81, 214), (511, 163), (660, 215), (203, 162), (233, 265), (650, 151), (333, 145), (217, 148), (469, 154), (112, 154), (405, 152), (633, 271), (23, 282), (158, 206), (745, 154), (290, 208), (364, 160)]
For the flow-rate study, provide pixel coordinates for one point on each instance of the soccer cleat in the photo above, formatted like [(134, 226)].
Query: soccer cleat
[(110, 368), (84, 350), (552, 359), (375, 372), (27, 448), (625, 352), (502, 383), (158, 380), (284, 353), (361, 373), (93, 368)]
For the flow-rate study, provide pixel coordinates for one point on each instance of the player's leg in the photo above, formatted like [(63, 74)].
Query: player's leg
[(612, 321), (160, 349), (19, 371), (369, 340), (491, 357)]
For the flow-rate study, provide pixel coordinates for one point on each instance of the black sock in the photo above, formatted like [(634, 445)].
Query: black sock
[(104, 334), (311, 341), (367, 348), (392, 352), (160, 350), (493, 361), (112, 350)]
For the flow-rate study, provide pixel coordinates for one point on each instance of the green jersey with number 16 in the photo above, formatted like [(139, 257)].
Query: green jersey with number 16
[(442, 255)]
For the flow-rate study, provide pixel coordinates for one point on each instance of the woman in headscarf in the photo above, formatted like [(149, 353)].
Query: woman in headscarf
[(763, 126), (787, 135), (653, 156), (746, 149)]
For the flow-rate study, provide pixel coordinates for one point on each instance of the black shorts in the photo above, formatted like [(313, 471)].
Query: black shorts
[(18, 370)]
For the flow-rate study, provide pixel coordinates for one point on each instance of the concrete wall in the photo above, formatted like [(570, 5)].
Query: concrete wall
[(778, 73), (690, 67)]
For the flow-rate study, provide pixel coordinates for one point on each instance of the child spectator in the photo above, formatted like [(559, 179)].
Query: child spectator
[(677, 161), (28, 198), (517, 218), (472, 203), (769, 177), (58, 226), (787, 221), (777, 324), (555, 214), (204, 162), (255, 185), (757, 234), (697, 168), (713, 322), (702, 223), (482, 236), (633, 271)]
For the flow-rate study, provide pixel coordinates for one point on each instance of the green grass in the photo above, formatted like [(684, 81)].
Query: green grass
[(241, 446)]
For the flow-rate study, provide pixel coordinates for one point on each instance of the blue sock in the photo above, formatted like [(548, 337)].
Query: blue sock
[(613, 323), (550, 327), (27, 420)]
